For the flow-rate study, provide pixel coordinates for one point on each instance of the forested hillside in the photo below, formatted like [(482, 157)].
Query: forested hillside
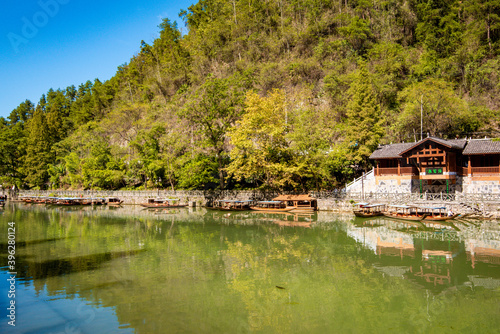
[(280, 94)]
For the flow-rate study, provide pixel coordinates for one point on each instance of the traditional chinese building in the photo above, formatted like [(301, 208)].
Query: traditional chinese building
[(438, 165)]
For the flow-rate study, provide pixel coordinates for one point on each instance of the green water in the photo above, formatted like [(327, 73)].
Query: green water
[(128, 270)]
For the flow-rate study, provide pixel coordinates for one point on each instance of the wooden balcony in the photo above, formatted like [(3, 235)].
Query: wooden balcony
[(409, 171), (463, 171), (394, 171), (485, 170)]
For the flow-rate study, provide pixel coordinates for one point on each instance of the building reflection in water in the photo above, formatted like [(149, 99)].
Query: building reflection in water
[(434, 255)]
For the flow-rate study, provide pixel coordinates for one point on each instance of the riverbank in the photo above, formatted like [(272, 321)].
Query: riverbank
[(136, 270), (477, 205)]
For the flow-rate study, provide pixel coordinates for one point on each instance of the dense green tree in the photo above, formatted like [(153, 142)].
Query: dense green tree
[(486, 14), (444, 114), (439, 27), (100, 170), (363, 125), (38, 154), (198, 172), (357, 33), (215, 106)]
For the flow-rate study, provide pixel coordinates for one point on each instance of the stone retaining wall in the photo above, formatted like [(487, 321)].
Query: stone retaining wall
[(483, 205), (200, 198)]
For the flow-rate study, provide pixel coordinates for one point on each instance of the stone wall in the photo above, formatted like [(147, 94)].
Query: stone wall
[(465, 185), (200, 198), (393, 185), (367, 185), (472, 185), (486, 204)]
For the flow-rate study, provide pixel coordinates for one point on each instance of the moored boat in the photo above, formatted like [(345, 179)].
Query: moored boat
[(437, 213), (271, 206), (98, 201), (232, 205), (302, 203), (114, 201), (404, 212), (365, 210), (66, 201), (162, 203)]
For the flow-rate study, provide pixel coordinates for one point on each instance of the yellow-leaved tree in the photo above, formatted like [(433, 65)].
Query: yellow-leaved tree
[(260, 150)]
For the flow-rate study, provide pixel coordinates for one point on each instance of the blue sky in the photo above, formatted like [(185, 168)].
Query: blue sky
[(57, 43)]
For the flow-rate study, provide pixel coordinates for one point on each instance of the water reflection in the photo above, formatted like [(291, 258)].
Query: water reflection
[(193, 270), (435, 255), (284, 219)]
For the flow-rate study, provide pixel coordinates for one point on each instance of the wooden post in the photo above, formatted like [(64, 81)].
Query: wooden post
[(469, 168), (399, 167)]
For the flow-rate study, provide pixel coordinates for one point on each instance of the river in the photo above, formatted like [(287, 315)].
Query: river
[(133, 270)]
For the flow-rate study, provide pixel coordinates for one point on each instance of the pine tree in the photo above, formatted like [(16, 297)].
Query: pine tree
[(38, 150), (363, 126)]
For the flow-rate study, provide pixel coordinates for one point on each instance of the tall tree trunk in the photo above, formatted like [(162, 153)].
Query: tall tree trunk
[(221, 170), (489, 30)]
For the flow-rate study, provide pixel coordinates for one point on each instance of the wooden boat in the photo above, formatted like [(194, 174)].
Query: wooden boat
[(98, 201), (29, 199), (271, 206), (51, 200), (232, 205), (404, 212), (25, 199), (39, 200), (67, 201), (437, 213), (114, 201), (366, 210), (302, 203), (84, 201), (162, 203)]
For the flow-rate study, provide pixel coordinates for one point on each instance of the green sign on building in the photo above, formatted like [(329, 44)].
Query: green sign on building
[(434, 171)]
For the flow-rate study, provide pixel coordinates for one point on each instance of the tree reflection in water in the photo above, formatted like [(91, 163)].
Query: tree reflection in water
[(206, 271)]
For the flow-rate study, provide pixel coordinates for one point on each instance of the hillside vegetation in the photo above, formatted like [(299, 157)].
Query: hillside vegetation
[(279, 94)]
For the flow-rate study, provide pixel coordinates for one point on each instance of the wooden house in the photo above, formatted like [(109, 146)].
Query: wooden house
[(439, 165)]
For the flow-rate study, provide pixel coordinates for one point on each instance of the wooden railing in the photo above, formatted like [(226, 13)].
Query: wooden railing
[(387, 171), (409, 171), (401, 198), (485, 170), (394, 171), (460, 170)]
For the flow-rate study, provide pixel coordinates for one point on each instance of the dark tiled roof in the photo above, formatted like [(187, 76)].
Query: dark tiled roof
[(482, 146), (390, 151), (454, 143), (395, 150)]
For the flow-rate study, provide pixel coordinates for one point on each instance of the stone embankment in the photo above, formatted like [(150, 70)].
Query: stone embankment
[(194, 198), (339, 202)]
